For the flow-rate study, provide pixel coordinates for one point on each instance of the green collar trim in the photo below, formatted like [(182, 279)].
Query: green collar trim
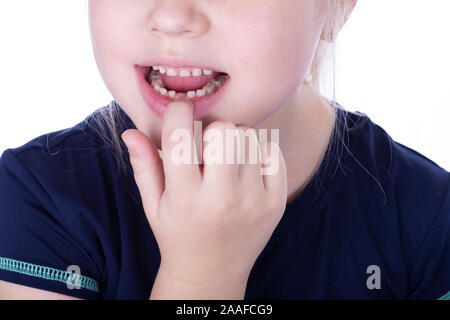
[(48, 273), (445, 296)]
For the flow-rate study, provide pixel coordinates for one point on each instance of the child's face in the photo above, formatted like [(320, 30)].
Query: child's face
[(265, 46)]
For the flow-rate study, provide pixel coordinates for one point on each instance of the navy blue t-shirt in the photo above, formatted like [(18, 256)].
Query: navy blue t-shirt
[(373, 223)]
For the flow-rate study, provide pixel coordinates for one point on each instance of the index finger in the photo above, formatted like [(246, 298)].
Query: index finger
[(178, 145)]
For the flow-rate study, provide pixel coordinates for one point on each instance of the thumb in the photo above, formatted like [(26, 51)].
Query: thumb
[(147, 168)]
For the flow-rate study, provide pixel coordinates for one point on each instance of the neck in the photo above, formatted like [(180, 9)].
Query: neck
[(305, 126)]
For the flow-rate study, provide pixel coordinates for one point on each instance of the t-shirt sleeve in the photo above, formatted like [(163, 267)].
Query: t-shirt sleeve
[(37, 248), (430, 274)]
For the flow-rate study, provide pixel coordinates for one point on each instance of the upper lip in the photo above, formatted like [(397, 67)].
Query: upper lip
[(178, 63)]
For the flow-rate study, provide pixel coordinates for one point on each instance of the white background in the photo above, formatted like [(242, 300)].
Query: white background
[(393, 65)]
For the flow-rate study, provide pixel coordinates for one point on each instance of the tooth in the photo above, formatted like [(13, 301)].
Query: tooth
[(158, 82), (171, 72), (162, 70), (155, 67), (210, 88), (207, 72), (185, 73), (200, 92), (217, 82), (197, 72), (153, 75)]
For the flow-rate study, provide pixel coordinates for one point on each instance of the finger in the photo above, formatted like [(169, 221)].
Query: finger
[(250, 165), (178, 145), (273, 168), (147, 168), (219, 152)]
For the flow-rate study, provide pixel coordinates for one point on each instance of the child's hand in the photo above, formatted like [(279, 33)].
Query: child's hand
[(211, 223)]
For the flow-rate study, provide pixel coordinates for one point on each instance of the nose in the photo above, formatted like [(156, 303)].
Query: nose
[(176, 18)]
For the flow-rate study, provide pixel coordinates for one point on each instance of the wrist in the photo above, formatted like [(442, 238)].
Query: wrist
[(171, 284)]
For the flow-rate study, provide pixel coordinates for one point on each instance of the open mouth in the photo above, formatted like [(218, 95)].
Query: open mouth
[(159, 87), (198, 83)]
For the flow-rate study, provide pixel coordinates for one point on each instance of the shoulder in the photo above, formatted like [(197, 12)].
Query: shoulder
[(81, 135), (43, 160), (82, 148), (47, 189), (408, 178), (53, 171), (66, 175), (59, 191), (71, 173)]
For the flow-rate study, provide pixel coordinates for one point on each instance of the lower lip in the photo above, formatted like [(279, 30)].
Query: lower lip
[(158, 103)]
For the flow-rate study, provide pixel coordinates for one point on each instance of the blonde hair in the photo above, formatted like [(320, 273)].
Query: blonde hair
[(323, 64), (107, 124)]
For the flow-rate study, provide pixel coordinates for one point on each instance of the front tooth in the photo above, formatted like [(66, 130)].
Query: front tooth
[(200, 92), (197, 72), (155, 67), (185, 73), (172, 94), (162, 70), (207, 72), (171, 72), (191, 94)]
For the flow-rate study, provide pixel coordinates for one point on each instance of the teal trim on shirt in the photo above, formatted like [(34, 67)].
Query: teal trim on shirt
[(49, 273), (445, 297)]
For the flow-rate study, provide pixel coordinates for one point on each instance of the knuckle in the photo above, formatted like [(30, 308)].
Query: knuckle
[(222, 135), (250, 134), (264, 144), (242, 126), (220, 125), (248, 143), (245, 131), (269, 150)]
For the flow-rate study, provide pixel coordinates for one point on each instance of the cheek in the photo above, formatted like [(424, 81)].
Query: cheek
[(269, 56), (269, 74), (111, 29), (276, 53), (112, 57)]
